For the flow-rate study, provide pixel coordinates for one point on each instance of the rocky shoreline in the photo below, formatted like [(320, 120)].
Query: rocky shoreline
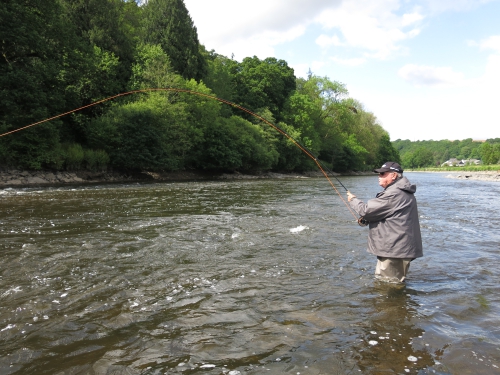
[(467, 175), (18, 178), (12, 178), (480, 176)]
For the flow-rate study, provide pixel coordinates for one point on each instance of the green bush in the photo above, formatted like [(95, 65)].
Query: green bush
[(74, 156), (90, 160), (102, 159), (96, 160), (58, 159)]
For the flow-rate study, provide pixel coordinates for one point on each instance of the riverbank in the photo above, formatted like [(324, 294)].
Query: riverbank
[(467, 175), (19, 178), (480, 176)]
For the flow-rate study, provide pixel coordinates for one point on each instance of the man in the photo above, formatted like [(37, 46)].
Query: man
[(394, 235)]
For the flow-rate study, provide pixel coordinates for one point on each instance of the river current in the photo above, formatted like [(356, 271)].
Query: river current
[(243, 277)]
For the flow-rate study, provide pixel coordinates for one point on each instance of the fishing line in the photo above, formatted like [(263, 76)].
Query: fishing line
[(304, 149)]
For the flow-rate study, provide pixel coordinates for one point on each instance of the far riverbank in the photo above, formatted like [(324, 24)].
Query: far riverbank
[(481, 176), (22, 178), (469, 175)]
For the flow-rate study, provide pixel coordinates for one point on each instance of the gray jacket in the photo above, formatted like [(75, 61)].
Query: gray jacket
[(393, 221)]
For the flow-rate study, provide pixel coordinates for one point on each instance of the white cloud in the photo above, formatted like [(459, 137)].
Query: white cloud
[(490, 81), (374, 27), (434, 115), (257, 27), (411, 18), (259, 44), (326, 41), (459, 109), (252, 28), (349, 62), (446, 77), (301, 70), (491, 43), (453, 5), (421, 75)]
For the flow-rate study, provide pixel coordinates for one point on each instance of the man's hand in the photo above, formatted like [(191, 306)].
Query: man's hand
[(350, 196), (362, 222)]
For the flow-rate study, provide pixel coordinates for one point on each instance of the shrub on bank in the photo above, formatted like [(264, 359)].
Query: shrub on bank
[(74, 156), (78, 158), (96, 160)]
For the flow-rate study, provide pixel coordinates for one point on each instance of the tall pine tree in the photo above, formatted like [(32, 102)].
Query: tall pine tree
[(167, 23)]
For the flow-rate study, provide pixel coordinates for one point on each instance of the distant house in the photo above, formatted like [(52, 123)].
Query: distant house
[(450, 163), (454, 162)]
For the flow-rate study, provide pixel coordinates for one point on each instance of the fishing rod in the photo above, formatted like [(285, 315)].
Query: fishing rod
[(324, 170)]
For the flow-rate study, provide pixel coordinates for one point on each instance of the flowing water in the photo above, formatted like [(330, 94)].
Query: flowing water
[(243, 277)]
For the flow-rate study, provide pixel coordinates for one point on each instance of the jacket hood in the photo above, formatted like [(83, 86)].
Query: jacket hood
[(404, 184)]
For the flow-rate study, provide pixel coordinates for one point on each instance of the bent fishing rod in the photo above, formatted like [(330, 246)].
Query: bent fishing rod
[(324, 170)]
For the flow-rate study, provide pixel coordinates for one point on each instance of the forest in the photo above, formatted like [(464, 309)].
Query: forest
[(59, 55), (419, 154)]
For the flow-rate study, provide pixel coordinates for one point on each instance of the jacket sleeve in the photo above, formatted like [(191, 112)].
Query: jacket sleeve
[(375, 209)]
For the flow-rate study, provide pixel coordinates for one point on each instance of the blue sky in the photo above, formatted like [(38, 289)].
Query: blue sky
[(427, 69)]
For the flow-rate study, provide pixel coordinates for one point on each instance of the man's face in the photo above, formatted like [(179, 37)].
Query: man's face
[(386, 178)]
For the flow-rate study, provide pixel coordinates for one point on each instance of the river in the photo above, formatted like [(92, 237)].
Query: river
[(243, 277)]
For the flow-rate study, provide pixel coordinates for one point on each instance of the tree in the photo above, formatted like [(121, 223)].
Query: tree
[(490, 154), (236, 144), (35, 39), (424, 157), (167, 23), (291, 158), (369, 133), (111, 25), (330, 117), (152, 69), (300, 114), (465, 152), (421, 157), (263, 84), (386, 152), (220, 79), (354, 153), (496, 153), (30, 86), (220, 147), (442, 150)]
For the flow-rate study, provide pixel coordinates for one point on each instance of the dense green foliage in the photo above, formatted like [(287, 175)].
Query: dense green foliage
[(434, 153), (58, 55), (168, 24)]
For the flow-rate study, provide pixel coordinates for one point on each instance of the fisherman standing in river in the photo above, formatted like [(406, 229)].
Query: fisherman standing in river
[(394, 235)]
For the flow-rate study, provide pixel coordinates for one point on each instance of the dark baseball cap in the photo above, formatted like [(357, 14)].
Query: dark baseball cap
[(389, 166)]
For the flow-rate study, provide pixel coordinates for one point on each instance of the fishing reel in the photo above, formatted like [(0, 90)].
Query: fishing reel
[(362, 222)]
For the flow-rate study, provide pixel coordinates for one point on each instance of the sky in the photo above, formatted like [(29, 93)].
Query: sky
[(427, 69)]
